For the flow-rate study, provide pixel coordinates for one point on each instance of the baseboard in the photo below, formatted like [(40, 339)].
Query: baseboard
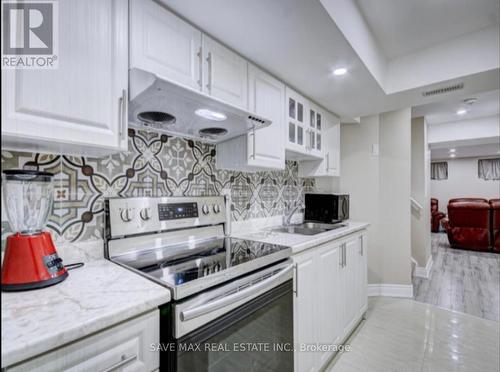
[(390, 290), (424, 272)]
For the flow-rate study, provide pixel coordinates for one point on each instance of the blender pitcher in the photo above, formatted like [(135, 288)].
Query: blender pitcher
[(30, 260)]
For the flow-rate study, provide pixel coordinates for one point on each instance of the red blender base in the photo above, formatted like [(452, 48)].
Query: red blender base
[(31, 262)]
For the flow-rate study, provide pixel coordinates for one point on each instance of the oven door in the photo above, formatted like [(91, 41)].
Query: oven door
[(246, 325)]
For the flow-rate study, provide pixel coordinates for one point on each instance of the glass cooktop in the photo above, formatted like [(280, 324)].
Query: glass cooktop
[(184, 263)]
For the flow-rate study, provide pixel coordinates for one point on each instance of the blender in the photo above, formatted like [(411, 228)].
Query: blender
[(30, 259)]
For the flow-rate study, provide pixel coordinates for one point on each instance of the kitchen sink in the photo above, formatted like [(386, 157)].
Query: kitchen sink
[(308, 228)]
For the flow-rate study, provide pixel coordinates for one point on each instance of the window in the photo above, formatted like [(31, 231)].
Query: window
[(439, 171), (488, 169)]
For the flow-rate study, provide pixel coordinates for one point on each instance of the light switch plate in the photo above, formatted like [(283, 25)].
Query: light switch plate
[(375, 150)]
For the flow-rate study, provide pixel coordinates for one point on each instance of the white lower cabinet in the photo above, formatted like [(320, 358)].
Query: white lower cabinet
[(125, 347), (329, 310), (304, 330), (330, 298)]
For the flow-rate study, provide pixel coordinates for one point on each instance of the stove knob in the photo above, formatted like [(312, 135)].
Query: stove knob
[(216, 208), (205, 209), (145, 214), (126, 215)]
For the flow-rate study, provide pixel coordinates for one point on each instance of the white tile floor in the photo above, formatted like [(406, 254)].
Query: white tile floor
[(405, 335)]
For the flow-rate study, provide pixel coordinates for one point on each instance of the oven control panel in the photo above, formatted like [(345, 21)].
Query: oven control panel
[(177, 210), (130, 216)]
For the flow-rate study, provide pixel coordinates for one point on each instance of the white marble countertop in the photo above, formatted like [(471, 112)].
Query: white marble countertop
[(298, 242), (92, 298)]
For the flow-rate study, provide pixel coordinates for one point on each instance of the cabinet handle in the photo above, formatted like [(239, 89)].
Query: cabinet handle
[(124, 361), (327, 161), (209, 61), (345, 255), (296, 291), (200, 67), (122, 114), (342, 254), (361, 250), (341, 261), (253, 143)]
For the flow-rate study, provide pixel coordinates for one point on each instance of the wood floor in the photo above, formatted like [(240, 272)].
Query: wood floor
[(460, 280)]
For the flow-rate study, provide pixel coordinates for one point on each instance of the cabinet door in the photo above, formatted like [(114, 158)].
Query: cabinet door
[(329, 300), (125, 347), (317, 123), (328, 164), (362, 275), (80, 107), (266, 97), (164, 44), (225, 73), (297, 108), (332, 146), (351, 280), (304, 311)]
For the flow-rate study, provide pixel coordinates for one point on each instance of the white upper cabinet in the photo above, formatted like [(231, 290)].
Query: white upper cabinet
[(328, 138), (297, 121), (164, 44), (81, 106), (263, 148), (174, 50), (225, 73), (317, 122)]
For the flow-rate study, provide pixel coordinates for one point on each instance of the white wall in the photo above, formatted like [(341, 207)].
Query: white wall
[(360, 179), (395, 186), (463, 182), (379, 188), (420, 180)]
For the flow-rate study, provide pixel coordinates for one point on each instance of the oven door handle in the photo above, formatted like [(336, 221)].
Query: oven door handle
[(235, 297)]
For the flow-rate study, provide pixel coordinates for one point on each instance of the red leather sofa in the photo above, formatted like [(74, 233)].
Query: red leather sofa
[(459, 200), (469, 225), (436, 215), (495, 224)]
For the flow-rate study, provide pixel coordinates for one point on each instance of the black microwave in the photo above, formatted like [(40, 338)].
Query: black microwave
[(326, 208)]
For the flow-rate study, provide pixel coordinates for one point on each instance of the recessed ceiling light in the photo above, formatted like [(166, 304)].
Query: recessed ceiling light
[(452, 150), (211, 115), (452, 155), (462, 112), (340, 71)]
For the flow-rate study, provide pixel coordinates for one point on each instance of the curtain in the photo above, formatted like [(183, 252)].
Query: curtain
[(489, 169), (439, 171)]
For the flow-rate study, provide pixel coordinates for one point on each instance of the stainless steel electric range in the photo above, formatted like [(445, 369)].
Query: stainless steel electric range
[(226, 292)]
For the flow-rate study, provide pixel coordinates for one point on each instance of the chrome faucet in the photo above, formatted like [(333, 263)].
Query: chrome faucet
[(288, 213)]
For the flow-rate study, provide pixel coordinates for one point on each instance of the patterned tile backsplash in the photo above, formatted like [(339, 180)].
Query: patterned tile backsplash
[(155, 165)]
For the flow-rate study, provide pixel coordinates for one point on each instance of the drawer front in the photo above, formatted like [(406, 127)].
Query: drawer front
[(125, 347)]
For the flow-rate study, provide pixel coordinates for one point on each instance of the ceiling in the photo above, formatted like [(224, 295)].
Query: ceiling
[(488, 104), (299, 42), (395, 23)]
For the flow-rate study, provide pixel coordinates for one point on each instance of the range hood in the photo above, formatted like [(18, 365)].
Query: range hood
[(161, 106)]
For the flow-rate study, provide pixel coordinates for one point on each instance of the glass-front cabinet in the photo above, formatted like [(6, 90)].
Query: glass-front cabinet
[(297, 124), (317, 121)]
